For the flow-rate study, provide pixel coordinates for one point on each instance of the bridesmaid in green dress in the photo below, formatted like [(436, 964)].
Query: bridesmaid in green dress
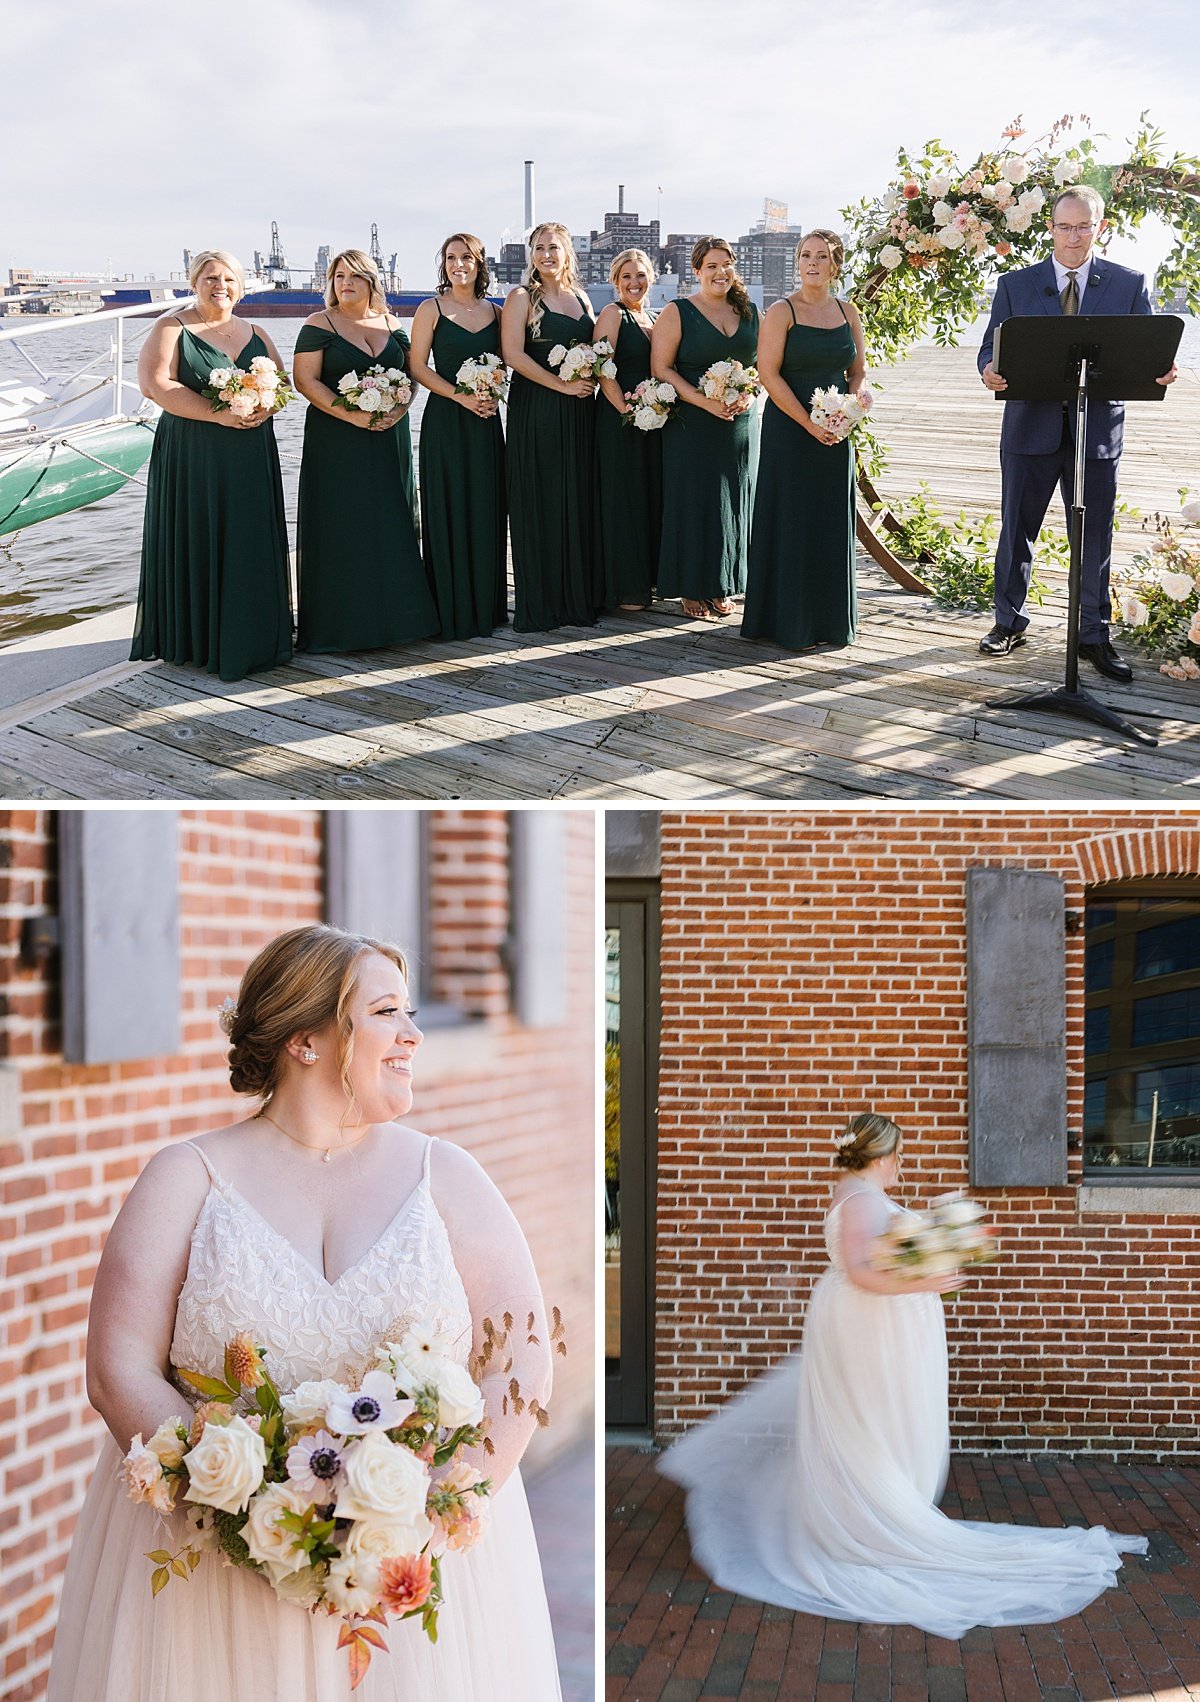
[(463, 522), (551, 443), (709, 449), (359, 575), (628, 462), (214, 582), (800, 587)]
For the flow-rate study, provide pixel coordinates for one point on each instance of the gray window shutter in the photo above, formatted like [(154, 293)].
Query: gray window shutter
[(632, 844), (538, 928), (119, 885), (1016, 1028), (375, 880)]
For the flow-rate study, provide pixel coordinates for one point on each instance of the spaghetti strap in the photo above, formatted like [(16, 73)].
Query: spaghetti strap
[(430, 1143), (437, 302), (791, 310), (332, 326), (842, 305), (205, 1160)]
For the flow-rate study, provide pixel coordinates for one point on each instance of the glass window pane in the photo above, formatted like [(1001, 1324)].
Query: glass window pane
[(1098, 972), (1096, 1030), (1169, 949)]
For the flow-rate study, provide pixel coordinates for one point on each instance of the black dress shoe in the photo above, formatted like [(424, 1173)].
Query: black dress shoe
[(1103, 657), (1000, 641)]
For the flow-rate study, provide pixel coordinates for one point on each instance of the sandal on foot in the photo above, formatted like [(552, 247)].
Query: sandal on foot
[(696, 611), (720, 606)]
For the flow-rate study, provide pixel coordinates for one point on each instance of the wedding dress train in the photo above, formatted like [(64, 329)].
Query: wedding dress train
[(222, 1633), (816, 1488)]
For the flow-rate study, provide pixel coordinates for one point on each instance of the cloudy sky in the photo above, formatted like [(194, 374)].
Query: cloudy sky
[(130, 134)]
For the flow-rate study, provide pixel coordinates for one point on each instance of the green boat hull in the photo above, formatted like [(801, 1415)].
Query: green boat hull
[(53, 478)]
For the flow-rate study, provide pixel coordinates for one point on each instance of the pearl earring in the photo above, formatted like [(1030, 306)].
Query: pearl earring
[(309, 1057)]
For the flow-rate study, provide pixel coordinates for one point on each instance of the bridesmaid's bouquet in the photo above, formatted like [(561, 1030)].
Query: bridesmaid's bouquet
[(948, 1236), (584, 360), (728, 380), (243, 391), (651, 405), (485, 376), (840, 413), (343, 1498), (380, 390)]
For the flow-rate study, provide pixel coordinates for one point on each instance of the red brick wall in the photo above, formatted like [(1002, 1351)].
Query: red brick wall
[(814, 965), (522, 1101)]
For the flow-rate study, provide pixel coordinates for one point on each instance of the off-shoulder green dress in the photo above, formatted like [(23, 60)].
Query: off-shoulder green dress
[(213, 589), (360, 579)]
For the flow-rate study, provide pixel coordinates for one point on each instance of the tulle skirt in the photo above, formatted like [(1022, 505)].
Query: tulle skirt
[(816, 1489), (223, 1636)]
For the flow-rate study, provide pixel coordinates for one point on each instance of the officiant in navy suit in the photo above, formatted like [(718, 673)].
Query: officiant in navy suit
[(1037, 441)]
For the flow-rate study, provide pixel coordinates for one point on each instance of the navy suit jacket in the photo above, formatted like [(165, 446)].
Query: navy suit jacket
[(1035, 428)]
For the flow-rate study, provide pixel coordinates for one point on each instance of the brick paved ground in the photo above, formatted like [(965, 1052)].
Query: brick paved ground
[(562, 1500), (672, 1637)]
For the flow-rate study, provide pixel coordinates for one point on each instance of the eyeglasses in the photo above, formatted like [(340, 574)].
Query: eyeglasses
[(1074, 230)]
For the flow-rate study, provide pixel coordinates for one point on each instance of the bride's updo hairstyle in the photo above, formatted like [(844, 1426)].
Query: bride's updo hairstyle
[(301, 981), (865, 1138)]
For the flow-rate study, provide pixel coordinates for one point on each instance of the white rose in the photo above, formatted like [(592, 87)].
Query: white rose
[(668, 393), (1017, 218), (382, 1477), (459, 1400), (1032, 200), (942, 212), (1133, 611), (226, 1466), (380, 1539), (306, 1403), (890, 256), (938, 186), (1191, 508), (645, 419), (349, 381), (558, 354), (394, 373), (950, 237), (1067, 171), (1178, 587), (1002, 190), (220, 376), (243, 404), (608, 370), (1015, 168), (269, 1542), (165, 1442), (953, 1211), (352, 1585), (303, 1587), (370, 401)]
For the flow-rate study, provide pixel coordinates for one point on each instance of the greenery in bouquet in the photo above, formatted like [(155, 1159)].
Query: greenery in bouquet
[(1156, 598)]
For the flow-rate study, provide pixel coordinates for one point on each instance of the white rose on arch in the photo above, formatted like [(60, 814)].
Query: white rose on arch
[(937, 186), (942, 213), (1015, 168), (950, 237), (1067, 171), (1033, 200), (891, 256), (1018, 218)]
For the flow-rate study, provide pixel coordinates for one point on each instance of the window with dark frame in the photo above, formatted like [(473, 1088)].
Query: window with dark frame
[(1142, 1027)]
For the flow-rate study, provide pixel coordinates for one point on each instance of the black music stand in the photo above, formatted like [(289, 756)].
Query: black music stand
[(1061, 358)]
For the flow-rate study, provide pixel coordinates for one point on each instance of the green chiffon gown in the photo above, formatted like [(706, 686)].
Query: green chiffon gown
[(628, 481), (708, 472), (213, 590), (800, 586), (551, 482), (360, 579), (463, 522)]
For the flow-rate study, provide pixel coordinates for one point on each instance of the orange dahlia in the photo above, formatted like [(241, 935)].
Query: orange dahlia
[(242, 1363), (405, 1582)]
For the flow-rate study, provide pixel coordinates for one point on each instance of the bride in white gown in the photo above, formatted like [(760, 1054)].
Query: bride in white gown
[(817, 1488), (322, 1229)]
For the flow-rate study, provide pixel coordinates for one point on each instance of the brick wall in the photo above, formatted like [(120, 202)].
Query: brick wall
[(814, 965), (72, 1138)]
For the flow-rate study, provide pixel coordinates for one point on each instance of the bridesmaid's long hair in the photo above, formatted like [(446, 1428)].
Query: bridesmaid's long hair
[(302, 980), (363, 267), (474, 248), (533, 278), (737, 289)]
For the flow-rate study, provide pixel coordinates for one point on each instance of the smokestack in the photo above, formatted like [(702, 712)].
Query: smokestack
[(620, 197), (528, 196)]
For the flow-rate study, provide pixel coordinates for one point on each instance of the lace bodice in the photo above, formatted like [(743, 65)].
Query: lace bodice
[(243, 1274)]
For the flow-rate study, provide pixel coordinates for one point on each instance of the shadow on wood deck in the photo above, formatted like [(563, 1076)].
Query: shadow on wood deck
[(648, 707)]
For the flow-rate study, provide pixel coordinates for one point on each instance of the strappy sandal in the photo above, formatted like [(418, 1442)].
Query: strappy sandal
[(696, 610), (721, 607)]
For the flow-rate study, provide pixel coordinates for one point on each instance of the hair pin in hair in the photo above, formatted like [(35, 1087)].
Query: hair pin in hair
[(845, 1139), (227, 1014)]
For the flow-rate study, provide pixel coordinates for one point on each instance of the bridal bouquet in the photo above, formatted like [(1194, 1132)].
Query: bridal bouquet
[(651, 405), (943, 1239), (584, 360), (840, 413), (344, 1499), (380, 390), (485, 376), (727, 380), (244, 391)]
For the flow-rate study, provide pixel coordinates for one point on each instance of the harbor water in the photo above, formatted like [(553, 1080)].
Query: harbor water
[(86, 562)]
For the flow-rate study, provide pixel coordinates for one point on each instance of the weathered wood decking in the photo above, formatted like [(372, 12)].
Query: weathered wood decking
[(649, 707)]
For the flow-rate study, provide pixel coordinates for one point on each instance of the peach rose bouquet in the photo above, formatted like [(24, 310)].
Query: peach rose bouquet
[(245, 391)]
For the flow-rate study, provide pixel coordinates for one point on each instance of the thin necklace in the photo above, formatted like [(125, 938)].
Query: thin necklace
[(327, 1155)]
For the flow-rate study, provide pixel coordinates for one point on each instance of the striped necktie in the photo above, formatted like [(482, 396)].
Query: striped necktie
[(1069, 299)]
